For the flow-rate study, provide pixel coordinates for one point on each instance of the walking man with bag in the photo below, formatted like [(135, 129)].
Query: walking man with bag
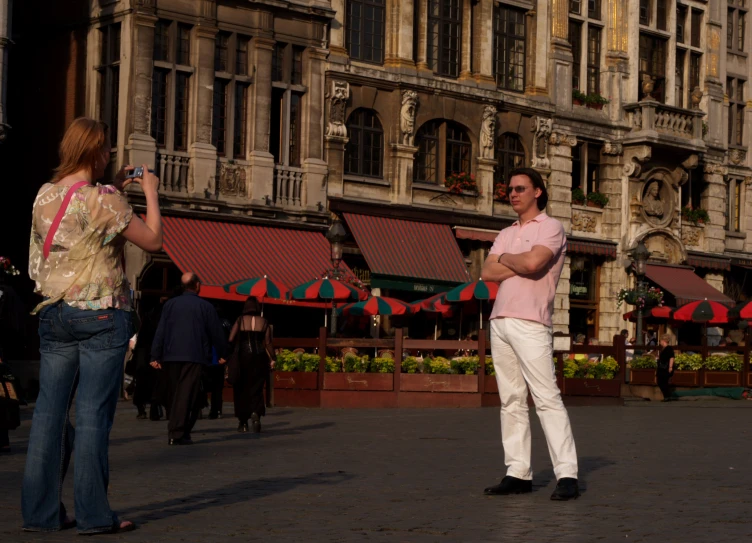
[(188, 329), (527, 259)]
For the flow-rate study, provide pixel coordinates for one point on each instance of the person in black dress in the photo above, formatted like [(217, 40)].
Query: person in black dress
[(665, 367), (252, 336)]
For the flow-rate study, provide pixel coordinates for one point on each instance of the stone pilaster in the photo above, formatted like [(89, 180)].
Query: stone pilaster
[(402, 173), (748, 214), (314, 166), (561, 300), (561, 55), (560, 179), (335, 159), (422, 54), (617, 60), (337, 32), (260, 159), (485, 177), (141, 147), (399, 42), (466, 49), (610, 322), (483, 43), (203, 158), (610, 175), (713, 200), (713, 84)]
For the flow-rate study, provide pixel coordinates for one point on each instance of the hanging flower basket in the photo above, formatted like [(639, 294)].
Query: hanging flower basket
[(650, 298)]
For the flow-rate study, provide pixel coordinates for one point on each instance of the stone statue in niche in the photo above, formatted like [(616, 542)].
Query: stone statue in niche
[(338, 95), (407, 116), (488, 132), (652, 203)]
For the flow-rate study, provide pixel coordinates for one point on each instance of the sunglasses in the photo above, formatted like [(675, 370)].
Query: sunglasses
[(519, 189)]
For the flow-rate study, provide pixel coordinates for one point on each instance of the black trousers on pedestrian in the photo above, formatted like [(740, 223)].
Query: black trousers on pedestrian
[(216, 379), (185, 392), (663, 376), (4, 438)]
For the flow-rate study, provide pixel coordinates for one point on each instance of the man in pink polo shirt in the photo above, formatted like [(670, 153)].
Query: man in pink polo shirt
[(527, 259)]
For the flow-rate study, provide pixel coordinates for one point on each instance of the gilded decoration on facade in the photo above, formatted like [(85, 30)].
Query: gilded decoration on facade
[(488, 132), (407, 116), (338, 94)]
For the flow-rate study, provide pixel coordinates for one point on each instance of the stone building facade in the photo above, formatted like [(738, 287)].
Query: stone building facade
[(287, 114), (6, 10)]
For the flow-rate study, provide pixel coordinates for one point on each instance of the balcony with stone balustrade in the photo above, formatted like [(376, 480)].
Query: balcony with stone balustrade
[(655, 123)]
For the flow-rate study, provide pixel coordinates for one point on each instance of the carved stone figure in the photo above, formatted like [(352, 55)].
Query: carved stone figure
[(231, 179), (652, 203), (737, 156), (696, 97), (542, 128), (338, 95), (690, 235), (407, 116), (488, 132), (582, 222)]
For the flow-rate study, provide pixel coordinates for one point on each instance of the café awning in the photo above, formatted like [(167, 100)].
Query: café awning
[(684, 284)]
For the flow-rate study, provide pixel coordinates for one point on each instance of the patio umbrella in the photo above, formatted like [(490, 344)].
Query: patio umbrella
[(704, 311), (475, 290), (741, 311), (437, 306), (378, 305), (660, 312), (325, 289), (259, 287)]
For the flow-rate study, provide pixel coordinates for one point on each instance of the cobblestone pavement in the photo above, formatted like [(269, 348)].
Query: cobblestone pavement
[(650, 473)]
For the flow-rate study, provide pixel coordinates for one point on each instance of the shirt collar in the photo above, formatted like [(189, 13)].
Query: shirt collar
[(538, 218), (189, 292)]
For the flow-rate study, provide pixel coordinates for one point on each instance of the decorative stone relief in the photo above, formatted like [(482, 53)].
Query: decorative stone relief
[(582, 222), (407, 116), (737, 156), (558, 138), (232, 179), (488, 132), (542, 128), (696, 97), (748, 181), (691, 236), (664, 247), (715, 169), (633, 159), (613, 149), (651, 201), (338, 94)]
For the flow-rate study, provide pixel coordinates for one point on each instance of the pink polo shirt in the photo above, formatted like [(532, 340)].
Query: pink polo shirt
[(530, 297)]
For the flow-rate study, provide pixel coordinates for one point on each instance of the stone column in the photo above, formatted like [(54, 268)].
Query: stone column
[(466, 41), (485, 177), (713, 200), (617, 59), (337, 39), (5, 22), (402, 173), (337, 95), (561, 300), (483, 44), (314, 168), (141, 147), (203, 160), (399, 44), (611, 174), (610, 322), (260, 159), (561, 55), (422, 54), (560, 179)]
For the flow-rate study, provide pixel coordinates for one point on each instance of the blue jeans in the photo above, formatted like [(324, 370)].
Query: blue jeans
[(80, 350)]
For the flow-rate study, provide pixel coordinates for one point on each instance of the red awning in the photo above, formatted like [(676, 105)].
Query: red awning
[(574, 246), (223, 252), (415, 250), (475, 234), (684, 285), (708, 262)]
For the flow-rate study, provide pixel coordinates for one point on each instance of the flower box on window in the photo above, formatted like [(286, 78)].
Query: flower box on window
[(459, 183)]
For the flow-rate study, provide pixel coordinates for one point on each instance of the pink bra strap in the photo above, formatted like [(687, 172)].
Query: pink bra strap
[(59, 218)]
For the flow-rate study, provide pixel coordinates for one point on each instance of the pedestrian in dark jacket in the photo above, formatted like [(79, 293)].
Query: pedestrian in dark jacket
[(187, 331)]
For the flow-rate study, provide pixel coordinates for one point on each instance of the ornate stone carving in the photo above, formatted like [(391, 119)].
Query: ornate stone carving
[(582, 222), (651, 200), (714, 168), (337, 95), (231, 179), (691, 236), (664, 246), (613, 149), (557, 138), (542, 128), (407, 116), (696, 97), (633, 157), (488, 132), (737, 156), (748, 181)]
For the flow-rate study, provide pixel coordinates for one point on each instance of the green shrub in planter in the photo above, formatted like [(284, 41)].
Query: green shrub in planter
[(644, 362), (438, 365), (688, 362), (570, 368), (467, 365), (409, 365), (356, 364), (287, 361), (578, 197), (717, 362), (333, 365), (490, 369), (382, 365), (597, 198), (309, 362)]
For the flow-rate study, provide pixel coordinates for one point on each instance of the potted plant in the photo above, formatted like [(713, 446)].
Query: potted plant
[(578, 97), (585, 376), (578, 197), (362, 373), (500, 193), (595, 101), (462, 182), (596, 199), (296, 370), (723, 370), (650, 298), (441, 375), (643, 370), (685, 369), (695, 216)]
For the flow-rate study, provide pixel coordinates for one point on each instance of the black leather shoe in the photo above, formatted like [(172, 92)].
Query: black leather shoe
[(509, 485), (243, 427), (566, 489), (181, 441)]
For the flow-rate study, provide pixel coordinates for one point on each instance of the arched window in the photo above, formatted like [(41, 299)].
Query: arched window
[(365, 30), (509, 155), (364, 151), (443, 148)]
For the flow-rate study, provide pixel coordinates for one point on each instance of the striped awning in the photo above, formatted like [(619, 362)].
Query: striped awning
[(588, 247), (475, 234), (684, 285), (708, 262), (408, 249), (222, 252)]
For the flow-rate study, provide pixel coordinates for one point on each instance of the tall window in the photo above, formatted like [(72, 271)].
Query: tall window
[(681, 59), (170, 85), (681, 22), (365, 30), (231, 82), (661, 20), (586, 35), (575, 40), (696, 27), (444, 36), (585, 165), (688, 54), (691, 191), (735, 93), (287, 97), (594, 9), (365, 150), (645, 12), (652, 64), (109, 78), (510, 154), (443, 148), (734, 196), (509, 48), (735, 25), (594, 60)]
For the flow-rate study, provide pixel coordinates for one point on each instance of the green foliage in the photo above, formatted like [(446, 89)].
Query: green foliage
[(490, 369), (644, 362), (309, 362), (577, 94), (582, 368), (597, 198), (438, 365), (287, 361), (571, 367), (382, 365), (467, 365), (356, 364), (578, 197), (695, 216), (688, 362), (410, 365), (333, 365), (729, 362), (595, 99)]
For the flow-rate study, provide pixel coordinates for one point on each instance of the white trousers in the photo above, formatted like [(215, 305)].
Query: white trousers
[(523, 358)]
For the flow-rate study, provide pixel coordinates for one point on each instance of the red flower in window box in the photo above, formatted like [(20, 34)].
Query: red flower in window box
[(457, 183)]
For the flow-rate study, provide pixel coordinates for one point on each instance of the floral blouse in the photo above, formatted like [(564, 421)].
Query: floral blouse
[(85, 264)]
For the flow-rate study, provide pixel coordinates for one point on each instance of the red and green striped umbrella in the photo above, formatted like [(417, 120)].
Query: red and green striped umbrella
[(260, 287), (379, 305), (702, 311), (435, 304), (657, 313), (325, 289), (475, 290), (742, 311)]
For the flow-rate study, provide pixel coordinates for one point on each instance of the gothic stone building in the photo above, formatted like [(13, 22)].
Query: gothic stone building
[(266, 119)]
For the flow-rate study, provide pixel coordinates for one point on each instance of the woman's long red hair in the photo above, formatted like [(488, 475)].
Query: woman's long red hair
[(81, 147)]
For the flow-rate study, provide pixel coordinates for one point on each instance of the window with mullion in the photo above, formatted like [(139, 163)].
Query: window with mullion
[(427, 158), (444, 36), (109, 80), (735, 26), (159, 106), (221, 52), (681, 56), (239, 124), (735, 93), (510, 154), (509, 48), (594, 60), (575, 40), (594, 9), (180, 134), (652, 64), (183, 55), (458, 150), (365, 30), (364, 151), (241, 55), (162, 41), (219, 115)]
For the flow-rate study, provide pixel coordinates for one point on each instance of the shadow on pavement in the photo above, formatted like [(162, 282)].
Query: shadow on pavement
[(587, 465), (267, 430)]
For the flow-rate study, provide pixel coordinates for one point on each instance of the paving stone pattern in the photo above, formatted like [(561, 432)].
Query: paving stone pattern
[(650, 473)]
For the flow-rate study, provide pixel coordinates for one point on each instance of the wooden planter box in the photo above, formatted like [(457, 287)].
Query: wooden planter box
[(642, 377), (418, 382), (358, 381), (722, 378), (685, 378), (491, 387), (749, 380), (296, 379), (592, 387)]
